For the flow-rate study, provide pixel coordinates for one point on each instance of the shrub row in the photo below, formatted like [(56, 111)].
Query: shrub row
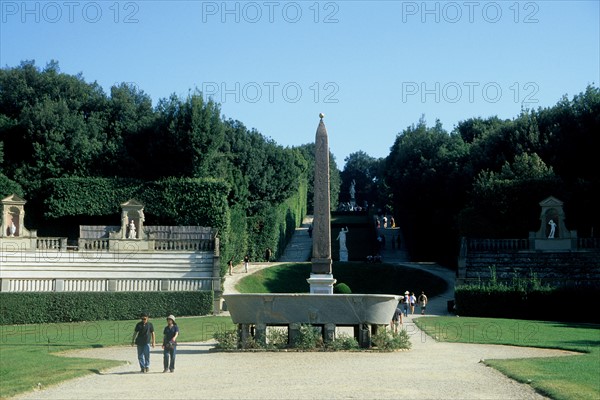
[(53, 307), (560, 304)]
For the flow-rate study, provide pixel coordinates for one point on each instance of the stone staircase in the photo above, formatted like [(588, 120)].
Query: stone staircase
[(300, 247), (391, 253)]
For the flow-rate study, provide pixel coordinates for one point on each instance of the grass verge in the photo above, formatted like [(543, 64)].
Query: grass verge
[(28, 352), (573, 377), (360, 277)]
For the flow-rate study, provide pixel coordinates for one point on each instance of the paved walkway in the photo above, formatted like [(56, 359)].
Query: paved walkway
[(430, 370)]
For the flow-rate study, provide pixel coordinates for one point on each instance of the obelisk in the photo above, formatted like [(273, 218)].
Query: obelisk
[(321, 280)]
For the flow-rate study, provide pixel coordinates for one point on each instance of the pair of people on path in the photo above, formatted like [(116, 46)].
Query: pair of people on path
[(408, 302), (144, 337)]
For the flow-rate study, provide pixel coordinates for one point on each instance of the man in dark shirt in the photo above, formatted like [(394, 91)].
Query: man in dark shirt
[(143, 336)]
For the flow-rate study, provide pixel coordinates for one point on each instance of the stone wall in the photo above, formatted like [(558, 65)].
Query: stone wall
[(569, 268), (59, 270)]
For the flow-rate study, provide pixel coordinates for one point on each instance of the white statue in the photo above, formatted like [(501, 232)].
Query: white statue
[(342, 238), (13, 228), (132, 233), (552, 229), (352, 189)]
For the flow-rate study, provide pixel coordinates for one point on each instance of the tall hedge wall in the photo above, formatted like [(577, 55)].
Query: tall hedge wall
[(274, 225), (178, 201), (181, 201), (51, 307)]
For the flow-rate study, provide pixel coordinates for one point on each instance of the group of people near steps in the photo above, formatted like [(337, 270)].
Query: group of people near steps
[(144, 337), (408, 303)]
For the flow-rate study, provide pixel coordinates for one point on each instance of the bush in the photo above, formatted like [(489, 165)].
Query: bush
[(388, 341), (343, 342), (52, 307), (277, 338), (342, 288), (227, 340), (309, 338)]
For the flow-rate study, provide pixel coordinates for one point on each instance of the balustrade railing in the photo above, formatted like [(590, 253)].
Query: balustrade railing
[(31, 285), (104, 285), (51, 243), (497, 244), (588, 243), (183, 244), (94, 244)]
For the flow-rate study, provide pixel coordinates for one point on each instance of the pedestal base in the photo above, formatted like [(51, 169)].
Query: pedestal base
[(321, 283), (344, 255)]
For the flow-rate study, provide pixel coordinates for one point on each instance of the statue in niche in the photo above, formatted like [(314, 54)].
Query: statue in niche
[(552, 229), (132, 233), (12, 229), (342, 238)]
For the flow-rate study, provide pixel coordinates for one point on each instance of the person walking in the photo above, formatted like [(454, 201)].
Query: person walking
[(268, 255), (230, 265), (423, 302), (405, 303), (246, 261), (413, 301), (143, 337), (170, 334), (396, 320)]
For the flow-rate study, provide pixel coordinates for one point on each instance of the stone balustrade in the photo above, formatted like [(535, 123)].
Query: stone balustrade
[(94, 244), (588, 243), (104, 285), (497, 244), (184, 244), (51, 243)]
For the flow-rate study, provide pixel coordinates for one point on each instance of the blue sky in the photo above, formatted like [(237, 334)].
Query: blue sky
[(373, 67)]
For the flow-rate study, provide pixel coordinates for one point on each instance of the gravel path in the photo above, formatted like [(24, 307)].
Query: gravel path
[(430, 370)]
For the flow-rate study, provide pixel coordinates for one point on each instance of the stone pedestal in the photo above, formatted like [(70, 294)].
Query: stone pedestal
[(344, 255), (321, 283)]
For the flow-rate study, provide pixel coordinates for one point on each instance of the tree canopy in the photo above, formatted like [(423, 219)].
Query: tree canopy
[(487, 176)]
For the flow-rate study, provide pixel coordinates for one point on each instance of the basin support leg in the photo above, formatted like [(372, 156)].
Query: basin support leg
[(364, 336), (260, 333), (329, 332), (293, 332), (243, 333)]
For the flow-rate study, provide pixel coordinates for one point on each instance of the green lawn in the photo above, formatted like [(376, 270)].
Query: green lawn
[(573, 377), (360, 277), (27, 352)]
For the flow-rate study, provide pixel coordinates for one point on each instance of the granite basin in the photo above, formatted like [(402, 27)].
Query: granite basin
[(315, 309)]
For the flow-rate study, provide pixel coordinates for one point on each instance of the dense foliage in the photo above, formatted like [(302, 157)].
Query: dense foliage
[(76, 153), (486, 177), (52, 307)]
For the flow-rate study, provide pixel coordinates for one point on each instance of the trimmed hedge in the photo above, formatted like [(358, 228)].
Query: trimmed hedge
[(560, 304), (52, 307), (342, 288), (274, 226), (179, 201), (176, 201)]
